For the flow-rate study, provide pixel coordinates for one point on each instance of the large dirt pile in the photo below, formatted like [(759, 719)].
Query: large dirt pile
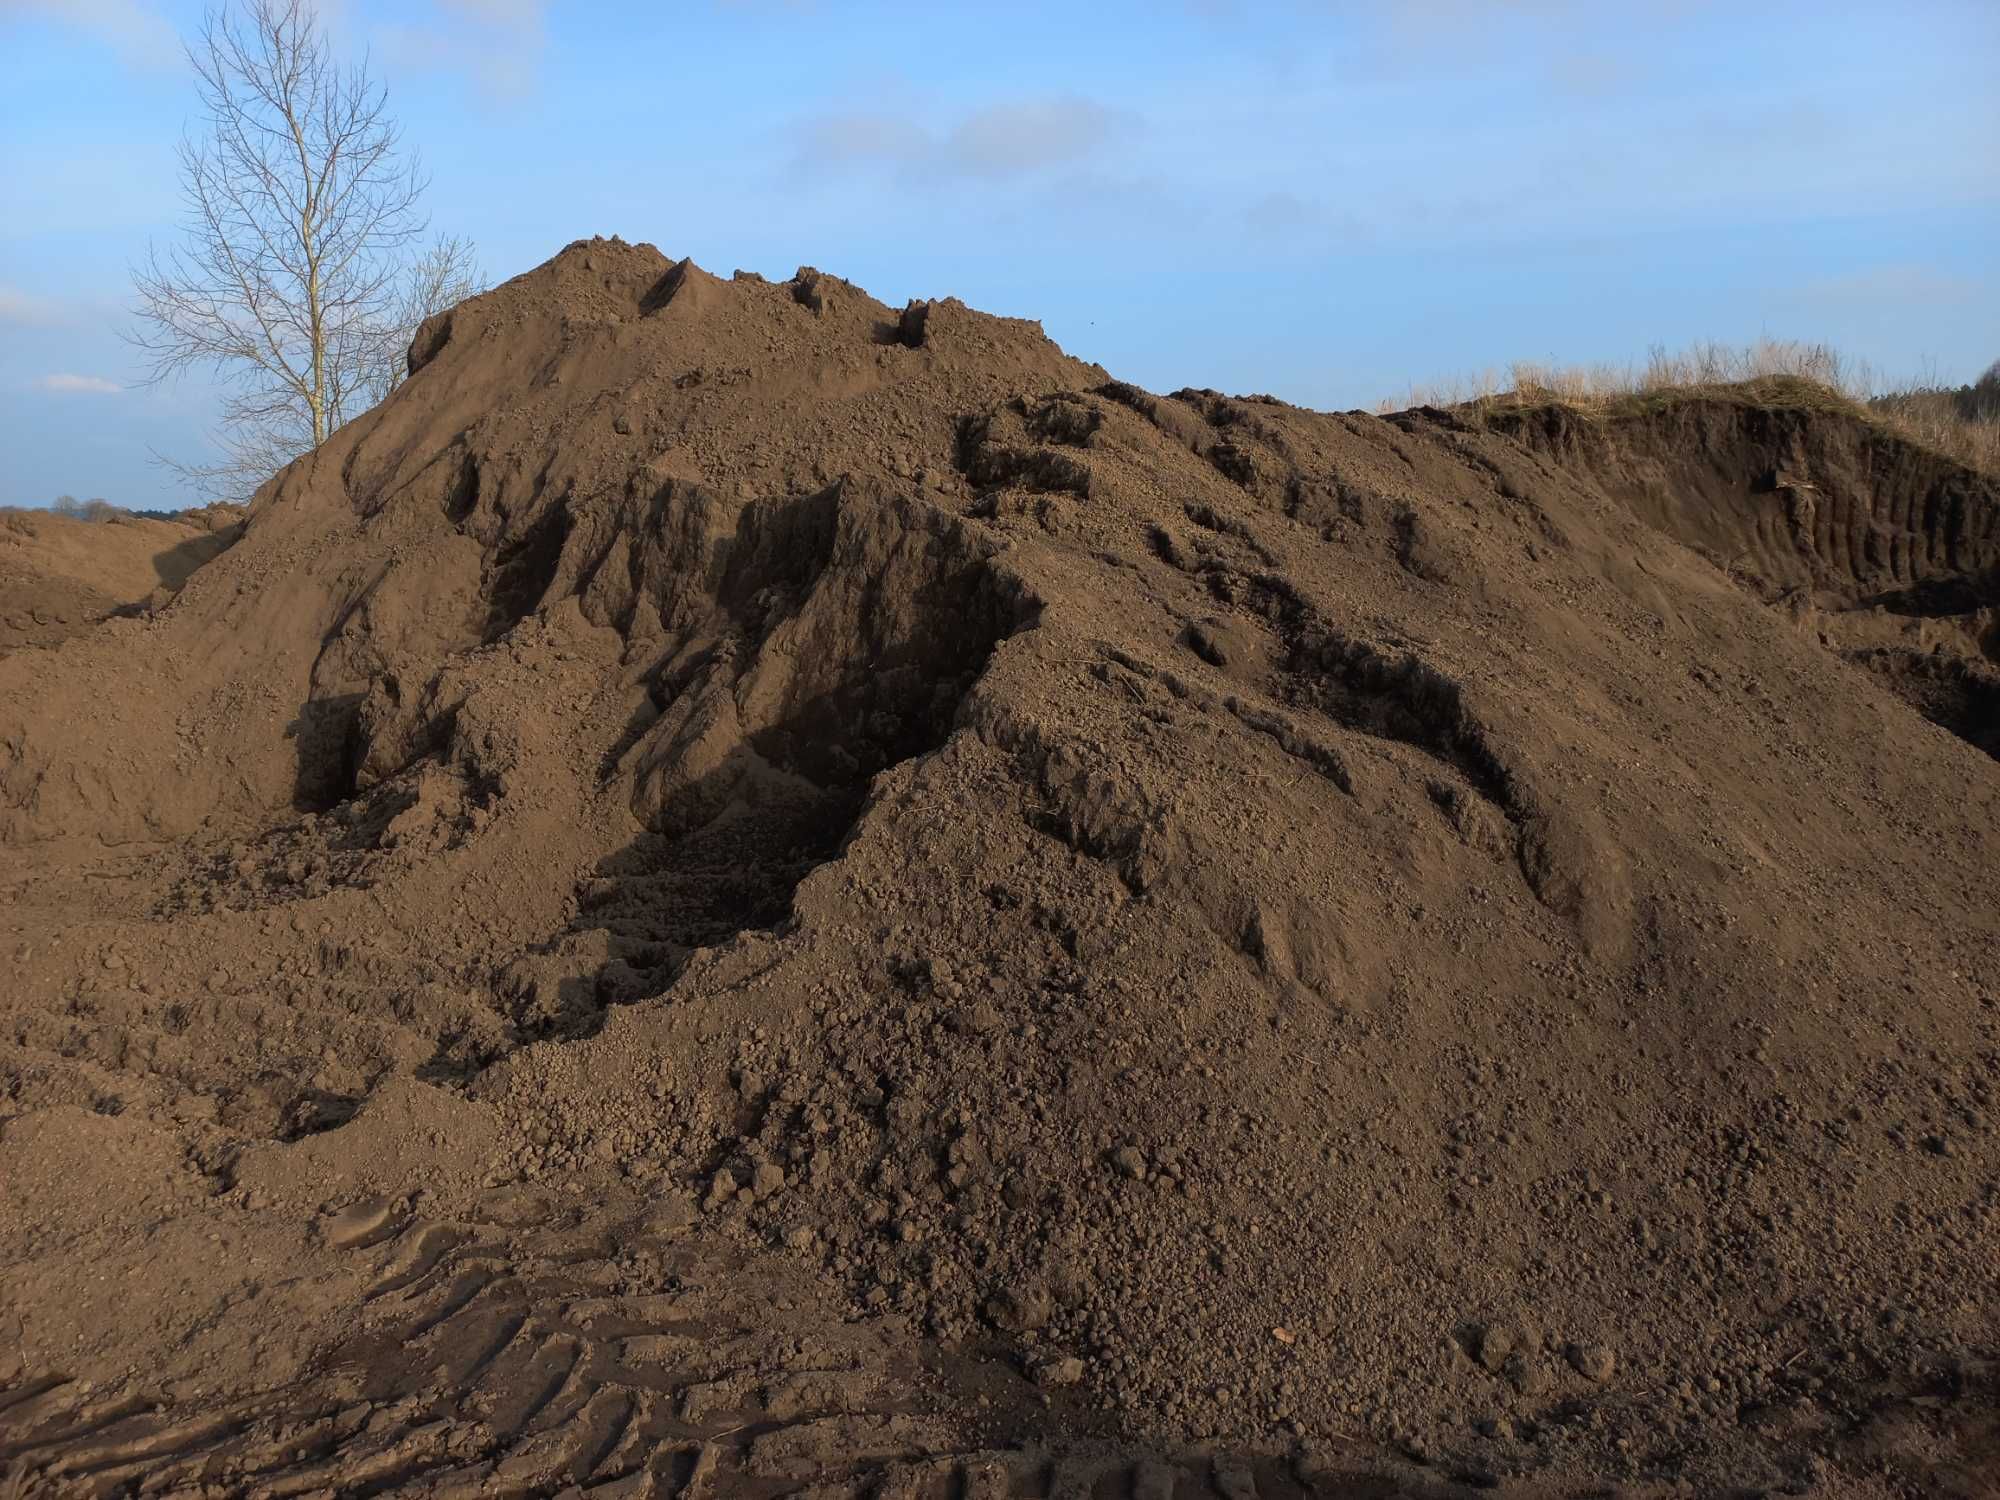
[(733, 829)]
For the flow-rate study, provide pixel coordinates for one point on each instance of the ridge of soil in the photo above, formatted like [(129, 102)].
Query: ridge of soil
[(742, 890)]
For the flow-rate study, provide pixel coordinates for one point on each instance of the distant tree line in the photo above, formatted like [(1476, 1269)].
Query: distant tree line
[(1962, 420), (1977, 402), (87, 510), (211, 517)]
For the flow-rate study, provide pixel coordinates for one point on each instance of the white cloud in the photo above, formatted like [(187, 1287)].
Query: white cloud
[(1008, 139), (19, 309), (1003, 139), (139, 33), (79, 385), (498, 42)]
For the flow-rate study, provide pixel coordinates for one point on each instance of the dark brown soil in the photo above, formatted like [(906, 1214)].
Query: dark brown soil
[(741, 892)]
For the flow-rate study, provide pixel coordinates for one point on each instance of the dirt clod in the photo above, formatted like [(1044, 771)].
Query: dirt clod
[(1594, 1362)]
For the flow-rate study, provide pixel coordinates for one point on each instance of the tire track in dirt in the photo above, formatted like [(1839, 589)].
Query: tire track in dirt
[(500, 1356)]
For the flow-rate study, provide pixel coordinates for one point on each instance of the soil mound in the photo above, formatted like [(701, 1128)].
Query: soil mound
[(753, 889), (60, 575)]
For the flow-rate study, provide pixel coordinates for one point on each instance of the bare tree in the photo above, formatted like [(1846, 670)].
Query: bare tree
[(94, 509), (444, 275), (296, 277)]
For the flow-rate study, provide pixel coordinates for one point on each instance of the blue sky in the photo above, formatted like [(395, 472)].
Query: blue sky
[(1325, 201)]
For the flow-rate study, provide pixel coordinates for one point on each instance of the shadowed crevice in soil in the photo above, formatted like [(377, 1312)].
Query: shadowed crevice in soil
[(326, 732), (847, 627), (524, 569), (662, 897), (1958, 693)]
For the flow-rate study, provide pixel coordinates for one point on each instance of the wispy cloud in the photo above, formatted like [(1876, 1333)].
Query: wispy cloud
[(1005, 139), (499, 43), (1027, 135), (1907, 283), (139, 34), (79, 385), (19, 309), (861, 138), (1282, 216)]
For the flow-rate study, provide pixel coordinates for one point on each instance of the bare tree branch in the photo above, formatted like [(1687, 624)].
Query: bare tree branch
[(443, 276), (296, 281)]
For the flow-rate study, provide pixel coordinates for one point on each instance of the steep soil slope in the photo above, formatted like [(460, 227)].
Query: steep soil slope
[(740, 889), (1890, 554)]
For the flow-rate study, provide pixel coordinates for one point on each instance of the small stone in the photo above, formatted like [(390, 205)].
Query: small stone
[(1129, 1160), (769, 1178), (1594, 1362)]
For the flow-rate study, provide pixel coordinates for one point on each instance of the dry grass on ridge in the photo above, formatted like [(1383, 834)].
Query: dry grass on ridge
[(1961, 422)]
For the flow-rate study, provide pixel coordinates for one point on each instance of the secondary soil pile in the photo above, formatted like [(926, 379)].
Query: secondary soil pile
[(59, 576), (742, 889)]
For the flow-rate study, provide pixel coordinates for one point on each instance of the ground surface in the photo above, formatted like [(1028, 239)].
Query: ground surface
[(740, 892)]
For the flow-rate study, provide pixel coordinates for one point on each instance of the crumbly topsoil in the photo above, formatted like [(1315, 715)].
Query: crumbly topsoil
[(1009, 932)]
